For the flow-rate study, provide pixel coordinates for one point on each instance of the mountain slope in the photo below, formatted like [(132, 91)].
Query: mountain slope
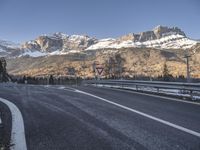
[(143, 53), (137, 61), (8, 48), (62, 44), (160, 37), (59, 43)]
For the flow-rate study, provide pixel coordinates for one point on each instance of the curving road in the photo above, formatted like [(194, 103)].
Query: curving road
[(58, 118)]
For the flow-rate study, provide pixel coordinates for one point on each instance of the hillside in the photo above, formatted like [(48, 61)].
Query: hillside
[(137, 61), (142, 53)]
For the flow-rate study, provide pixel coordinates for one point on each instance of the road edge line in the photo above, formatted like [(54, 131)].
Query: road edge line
[(145, 115), (17, 132)]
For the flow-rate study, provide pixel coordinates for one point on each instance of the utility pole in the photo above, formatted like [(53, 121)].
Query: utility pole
[(187, 56), (188, 67)]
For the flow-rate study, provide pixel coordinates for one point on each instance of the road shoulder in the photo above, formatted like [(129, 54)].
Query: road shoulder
[(5, 126)]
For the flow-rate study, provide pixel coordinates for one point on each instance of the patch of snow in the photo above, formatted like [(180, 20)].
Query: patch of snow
[(74, 51), (76, 37), (56, 36), (54, 53), (32, 42), (61, 35), (1, 50), (58, 52), (196, 98), (9, 44), (104, 43), (32, 54), (171, 41)]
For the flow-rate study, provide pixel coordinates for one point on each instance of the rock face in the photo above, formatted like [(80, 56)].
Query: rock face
[(31, 45), (160, 38), (157, 33), (60, 41), (161, 31), (49, 44), (78, 42)]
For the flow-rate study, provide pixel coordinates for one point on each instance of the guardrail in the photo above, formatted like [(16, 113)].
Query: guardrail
[(188, 90)]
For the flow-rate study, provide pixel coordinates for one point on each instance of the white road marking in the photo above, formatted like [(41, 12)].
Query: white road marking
[(17, 132), (64, 88), (144, 114), (0, 120), (152, 95)]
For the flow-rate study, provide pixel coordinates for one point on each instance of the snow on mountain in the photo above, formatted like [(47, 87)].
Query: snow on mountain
[(59, 41), (160, 37), (1, 50), (36, 53), (61, 44), (63, 52), (32, 54), (103, 43), (171, 42), (166, 42), (7, 48), (9, 44)]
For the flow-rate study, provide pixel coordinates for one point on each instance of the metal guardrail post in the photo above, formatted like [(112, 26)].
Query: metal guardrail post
[(136, 86), (158, 90)]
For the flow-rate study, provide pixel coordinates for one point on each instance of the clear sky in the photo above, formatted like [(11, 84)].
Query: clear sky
[(22, 20)]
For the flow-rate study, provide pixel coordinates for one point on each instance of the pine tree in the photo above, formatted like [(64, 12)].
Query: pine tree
[(1, 71), (51, 80), (166, 74)]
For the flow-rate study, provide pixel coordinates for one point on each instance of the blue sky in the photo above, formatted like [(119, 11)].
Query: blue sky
[(22, 20)]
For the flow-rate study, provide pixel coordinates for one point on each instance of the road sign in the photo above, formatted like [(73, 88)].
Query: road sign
[(99, 70)]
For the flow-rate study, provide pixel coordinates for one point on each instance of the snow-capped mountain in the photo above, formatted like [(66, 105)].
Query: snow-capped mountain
[(160, 37), (61, 44), (8, 44), (8, 48), (143, 53)]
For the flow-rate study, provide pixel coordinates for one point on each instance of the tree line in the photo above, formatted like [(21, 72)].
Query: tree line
[(4, 77), (113, 69)]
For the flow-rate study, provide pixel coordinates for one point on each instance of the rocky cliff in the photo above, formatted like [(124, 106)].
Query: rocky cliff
[(157, 33), (59, 41)]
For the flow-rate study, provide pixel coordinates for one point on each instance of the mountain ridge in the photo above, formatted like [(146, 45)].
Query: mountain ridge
[(160, 37)]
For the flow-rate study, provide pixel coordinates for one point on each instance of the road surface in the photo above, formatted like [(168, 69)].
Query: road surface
[(58, 118)]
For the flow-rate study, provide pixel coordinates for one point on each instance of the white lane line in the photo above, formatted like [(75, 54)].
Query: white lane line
[(0, 120), (17, 133), (144, 114)]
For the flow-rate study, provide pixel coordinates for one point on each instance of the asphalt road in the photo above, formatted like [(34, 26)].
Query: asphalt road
[(63, 119)]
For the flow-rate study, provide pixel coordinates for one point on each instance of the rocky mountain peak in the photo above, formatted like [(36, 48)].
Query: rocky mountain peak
[(59, 41), (157, 33), (161, 31), (161, 37)]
